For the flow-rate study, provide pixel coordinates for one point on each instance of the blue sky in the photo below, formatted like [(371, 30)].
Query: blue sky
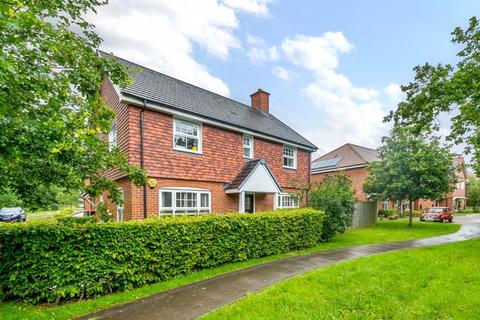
[(332, 67)]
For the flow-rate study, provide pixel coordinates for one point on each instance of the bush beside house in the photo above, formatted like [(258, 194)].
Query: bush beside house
[(335, 196), (59, 261)]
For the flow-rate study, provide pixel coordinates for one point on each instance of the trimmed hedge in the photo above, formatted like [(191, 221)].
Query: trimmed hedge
[(57, 261)]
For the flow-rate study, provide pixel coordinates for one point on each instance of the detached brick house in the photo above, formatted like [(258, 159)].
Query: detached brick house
[(353, 160), (202, 152)]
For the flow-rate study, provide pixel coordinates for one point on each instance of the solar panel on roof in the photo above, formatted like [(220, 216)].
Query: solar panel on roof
[(326, 163)]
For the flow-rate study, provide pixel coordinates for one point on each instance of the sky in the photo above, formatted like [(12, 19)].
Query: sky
[(333, 68)]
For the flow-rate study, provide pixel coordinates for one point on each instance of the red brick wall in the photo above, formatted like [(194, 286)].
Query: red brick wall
[(122, 118), (357, 175), (221, 157)]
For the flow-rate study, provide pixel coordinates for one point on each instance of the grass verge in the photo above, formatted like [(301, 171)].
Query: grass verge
[(384, 231), (440, 282)]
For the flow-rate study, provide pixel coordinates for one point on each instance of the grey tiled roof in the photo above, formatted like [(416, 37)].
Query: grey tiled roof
[(243, 174), (345, 156), (176, 94), (369, 155)]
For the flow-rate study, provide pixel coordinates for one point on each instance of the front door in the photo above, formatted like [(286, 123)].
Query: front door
[(249, 202)]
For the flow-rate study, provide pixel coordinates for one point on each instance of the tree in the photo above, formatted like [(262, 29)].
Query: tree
[(473, 196), (52, 117), (335, 196), (450, 90), (411, 168), (9, 199)]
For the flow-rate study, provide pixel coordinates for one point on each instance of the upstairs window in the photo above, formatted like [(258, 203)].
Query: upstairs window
[(248, 147), (187, 136), (182, 201), (112, 136), (289, 157), (285, 200)]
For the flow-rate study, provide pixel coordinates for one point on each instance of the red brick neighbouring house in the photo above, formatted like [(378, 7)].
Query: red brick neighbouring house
[(353, 160), (202, 152), (348, 159)]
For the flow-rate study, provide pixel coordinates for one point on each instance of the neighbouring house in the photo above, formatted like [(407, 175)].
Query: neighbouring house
[(455, 200), (202, 152), (349, 159), (353, 160)]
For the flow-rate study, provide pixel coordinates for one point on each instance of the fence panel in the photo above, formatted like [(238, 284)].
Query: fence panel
[(365, 214)]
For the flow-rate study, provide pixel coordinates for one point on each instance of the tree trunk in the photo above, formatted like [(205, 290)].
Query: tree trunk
[(410, 217)]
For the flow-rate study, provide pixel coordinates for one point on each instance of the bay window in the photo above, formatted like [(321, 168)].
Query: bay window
[(187, 136), (286, 200), (184, 201)]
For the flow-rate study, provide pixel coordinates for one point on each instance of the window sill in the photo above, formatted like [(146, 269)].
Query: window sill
[(290, 168), (187, 151), (247, 158)]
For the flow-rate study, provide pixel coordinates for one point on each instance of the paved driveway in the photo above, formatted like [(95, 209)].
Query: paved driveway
[(194, 300)]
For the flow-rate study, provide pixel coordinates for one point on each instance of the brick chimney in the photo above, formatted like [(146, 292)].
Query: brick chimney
[(260, 100)]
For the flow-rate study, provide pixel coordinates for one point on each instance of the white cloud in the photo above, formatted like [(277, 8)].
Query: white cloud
[(258, 7), (260, 54), (394, 92), (161, 34), (281, 73), (254, 40), (316, 53), (349, 113)]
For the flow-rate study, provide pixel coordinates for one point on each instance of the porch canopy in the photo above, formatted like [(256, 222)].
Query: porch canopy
[(255, 177)]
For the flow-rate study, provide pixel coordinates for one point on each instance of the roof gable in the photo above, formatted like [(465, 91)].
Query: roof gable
[(167, 91), (345, 156), (255, 176)]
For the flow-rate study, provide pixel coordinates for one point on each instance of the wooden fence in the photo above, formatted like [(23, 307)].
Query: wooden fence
[(365, 214)]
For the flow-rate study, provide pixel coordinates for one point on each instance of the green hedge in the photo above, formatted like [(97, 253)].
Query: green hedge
[(57, 261)]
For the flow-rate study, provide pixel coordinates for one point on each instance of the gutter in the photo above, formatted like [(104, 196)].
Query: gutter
[(315, 171), (142, 156)]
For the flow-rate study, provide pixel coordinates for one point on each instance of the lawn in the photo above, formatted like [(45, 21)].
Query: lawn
[(441, 282), (384, 231), (51, 213)]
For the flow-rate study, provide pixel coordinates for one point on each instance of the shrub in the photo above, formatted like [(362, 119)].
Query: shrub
[(59, 261), (335, 196), (415, 213), (76, 220), (393, 217), (469, 211), (381, 212), (388, 212)]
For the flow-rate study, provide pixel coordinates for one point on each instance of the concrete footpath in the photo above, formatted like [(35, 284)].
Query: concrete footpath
[(194, 300)]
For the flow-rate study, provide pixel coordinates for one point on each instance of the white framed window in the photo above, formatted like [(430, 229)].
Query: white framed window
[(184, 201), (248, 147), (112, 136), (187, 136), (289, 157), (286, 200)]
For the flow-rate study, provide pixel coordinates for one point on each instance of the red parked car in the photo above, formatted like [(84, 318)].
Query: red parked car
[(441, 214)]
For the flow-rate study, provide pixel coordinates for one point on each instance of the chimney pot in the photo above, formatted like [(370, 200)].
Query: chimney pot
[(259, 100)]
